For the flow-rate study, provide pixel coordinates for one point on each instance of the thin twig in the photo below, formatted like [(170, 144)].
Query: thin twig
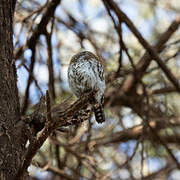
[(152, 52)]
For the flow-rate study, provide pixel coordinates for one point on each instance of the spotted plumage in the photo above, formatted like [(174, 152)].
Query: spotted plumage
[(85, 73)]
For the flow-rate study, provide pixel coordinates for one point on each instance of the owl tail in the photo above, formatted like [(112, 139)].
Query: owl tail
[(99, 113)]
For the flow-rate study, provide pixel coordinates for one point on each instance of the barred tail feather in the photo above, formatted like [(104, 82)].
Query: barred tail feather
[(99, 113)]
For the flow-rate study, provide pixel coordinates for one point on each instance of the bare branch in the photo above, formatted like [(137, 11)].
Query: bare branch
[(152, 52), (60, 118)]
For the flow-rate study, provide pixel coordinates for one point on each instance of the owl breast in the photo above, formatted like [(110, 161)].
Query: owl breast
[(85, 76)]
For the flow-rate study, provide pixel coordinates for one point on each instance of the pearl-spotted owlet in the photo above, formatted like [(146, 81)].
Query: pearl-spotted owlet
[(85, 74)]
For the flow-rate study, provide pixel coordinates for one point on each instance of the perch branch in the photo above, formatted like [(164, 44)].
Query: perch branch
[(59, 118)]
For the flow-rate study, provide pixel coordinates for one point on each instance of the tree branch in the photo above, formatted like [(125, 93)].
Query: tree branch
[(146, 58), (40, 29), (60, 117), (151, 51)]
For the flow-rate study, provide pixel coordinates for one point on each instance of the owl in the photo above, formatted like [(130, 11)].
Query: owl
[(85, 74)]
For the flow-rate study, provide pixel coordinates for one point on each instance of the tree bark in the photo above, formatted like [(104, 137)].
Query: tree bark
[(12, 140)]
